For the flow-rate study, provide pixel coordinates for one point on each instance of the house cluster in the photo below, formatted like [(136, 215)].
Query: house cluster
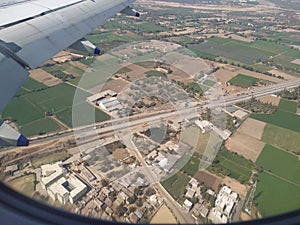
[(224, 204), (111, 197), (166, 161), (199, 208)]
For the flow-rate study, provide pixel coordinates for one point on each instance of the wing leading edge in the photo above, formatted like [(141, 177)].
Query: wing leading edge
[(32, 40)]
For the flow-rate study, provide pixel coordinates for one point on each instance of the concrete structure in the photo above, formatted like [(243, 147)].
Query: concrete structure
[(110, 104), (240, 114), (204, 125), (187, 205), (70, 189), (51, 173), (101, 95), (11, 169)]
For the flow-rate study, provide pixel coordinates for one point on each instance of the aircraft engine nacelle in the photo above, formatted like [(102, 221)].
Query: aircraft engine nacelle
[(11, 137), (85, 46), (130, 12)]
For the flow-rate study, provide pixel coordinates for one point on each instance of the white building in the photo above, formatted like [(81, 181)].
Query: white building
[(110, 104), (51, 173), (70, 189), (204, 125)]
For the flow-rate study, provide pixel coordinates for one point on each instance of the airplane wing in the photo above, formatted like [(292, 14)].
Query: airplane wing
[(32, 31)]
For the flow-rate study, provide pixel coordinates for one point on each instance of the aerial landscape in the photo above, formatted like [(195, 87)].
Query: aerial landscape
[(190, 115)]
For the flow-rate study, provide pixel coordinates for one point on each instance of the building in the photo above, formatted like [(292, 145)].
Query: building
[(64, 190), (204, 125), (101, 95), (240, 114), (51, 173), (187, 205), (110, 104)]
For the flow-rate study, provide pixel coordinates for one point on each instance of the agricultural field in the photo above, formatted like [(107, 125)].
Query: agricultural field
[(281, 163), (30, 85), (24, 184), (243, 81), (155, 73), (282, 138), (280, 118), (274, 196), (57, 100), (176, 184), (230, 164), (50, 157), (288, 106), (245, 52), (41, 126), (192, 166)]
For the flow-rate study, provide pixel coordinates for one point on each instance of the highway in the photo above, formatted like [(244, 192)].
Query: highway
[(121, 124)]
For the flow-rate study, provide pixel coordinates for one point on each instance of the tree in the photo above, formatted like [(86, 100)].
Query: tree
[(131, 199), (121, 210)]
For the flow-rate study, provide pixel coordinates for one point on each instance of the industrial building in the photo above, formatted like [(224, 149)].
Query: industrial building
[(110, 104), (51, 173)]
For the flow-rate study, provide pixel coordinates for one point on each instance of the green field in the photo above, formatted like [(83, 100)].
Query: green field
[(244, 52), (57, 100), (176, 184), (29, 86), (281, 137), (243, 81), (209, 83), (192, 166), (288, 106), (280, 118), (155, 73), (233, 165), (281, 163), (24, 184), (40, 126), (275, 196)]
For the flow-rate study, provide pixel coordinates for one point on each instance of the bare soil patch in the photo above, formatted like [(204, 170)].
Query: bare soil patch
[(283, 74), (245, 145), (224, 75), (115, 85), (240, 38), (44, 77), (163, 216), (270, 99), (236, 186), (296, 61), (79, 65), (252, 128), (209, 180)]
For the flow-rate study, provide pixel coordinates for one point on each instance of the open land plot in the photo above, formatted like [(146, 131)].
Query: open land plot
[(275, 196), (44, 77), (281, 163), (233, 165), (245, 145), (163, 216), (252, 128), (280, 118), (270, 99), (236, 186), (115, 85), (283, 74), (282, 138), (288, 106), (296, 61), (176, 184), (50, 157), (24, 184), (224, 75), (210, 180), (195, 138), (243, 81)]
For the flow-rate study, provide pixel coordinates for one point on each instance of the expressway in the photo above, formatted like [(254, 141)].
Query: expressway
[(121, 124)]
